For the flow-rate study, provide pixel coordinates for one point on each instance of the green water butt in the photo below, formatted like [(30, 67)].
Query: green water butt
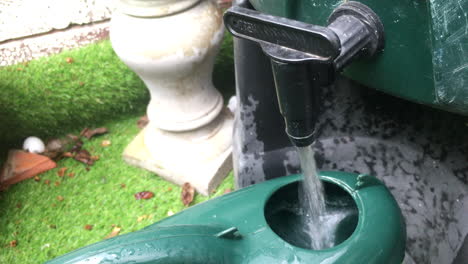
[(246, 226), (424, 59)]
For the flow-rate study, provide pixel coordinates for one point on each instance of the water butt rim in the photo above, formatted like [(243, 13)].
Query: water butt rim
[(369, 226)]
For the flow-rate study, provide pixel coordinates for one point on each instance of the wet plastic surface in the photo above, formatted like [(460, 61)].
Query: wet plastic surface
[(233, 229), (425, 49), (419, 152)]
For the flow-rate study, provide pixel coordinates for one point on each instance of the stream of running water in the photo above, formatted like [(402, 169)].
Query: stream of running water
[(319, 223)]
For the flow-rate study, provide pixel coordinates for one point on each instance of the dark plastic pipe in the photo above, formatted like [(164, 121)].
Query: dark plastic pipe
[(298, 87)]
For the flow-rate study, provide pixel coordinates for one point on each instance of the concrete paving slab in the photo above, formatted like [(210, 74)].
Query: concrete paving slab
[(22, 50), (204, 177), (22, 18)]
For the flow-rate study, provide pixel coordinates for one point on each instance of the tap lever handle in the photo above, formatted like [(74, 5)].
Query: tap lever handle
[(354, 30), (315, 42)]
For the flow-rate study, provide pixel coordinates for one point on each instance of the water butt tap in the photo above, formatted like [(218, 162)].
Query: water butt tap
[(306, 57)]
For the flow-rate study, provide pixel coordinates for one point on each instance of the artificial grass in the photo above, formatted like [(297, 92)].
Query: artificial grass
[(48, 96), (45, 227), (63, 93), (44, 97)]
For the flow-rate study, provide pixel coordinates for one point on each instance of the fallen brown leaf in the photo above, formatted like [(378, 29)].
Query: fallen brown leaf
[(69, 60), (106, 143), (68, 155), (89, 133), (61, 171), (94, 158), (57, 183), (169, 189), (73, 137), (188, 192), (114, 232), (77, 146), (47, 182), (37, 178), (71, 175), (122, 185), (88, 227), (60, 198), (84, 156), (143, 121), (141, 218), (13, 243), (144, 195), (85, 130)]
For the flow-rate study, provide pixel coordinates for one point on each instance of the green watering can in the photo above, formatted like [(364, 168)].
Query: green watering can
[(257, 225)]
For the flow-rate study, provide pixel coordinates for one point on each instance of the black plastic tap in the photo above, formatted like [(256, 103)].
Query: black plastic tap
[(306, 57)]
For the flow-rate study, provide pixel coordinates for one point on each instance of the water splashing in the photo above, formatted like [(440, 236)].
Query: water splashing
[(319, 223)]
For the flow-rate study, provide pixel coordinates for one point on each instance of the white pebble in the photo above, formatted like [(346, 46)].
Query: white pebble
[(232, 104), (34, 145)]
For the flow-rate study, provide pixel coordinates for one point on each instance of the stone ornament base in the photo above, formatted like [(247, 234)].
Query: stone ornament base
[(204, 174)]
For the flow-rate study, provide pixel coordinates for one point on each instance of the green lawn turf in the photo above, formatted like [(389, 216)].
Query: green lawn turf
[(94, 197), (75, 88), (61, 94), (44, 97)]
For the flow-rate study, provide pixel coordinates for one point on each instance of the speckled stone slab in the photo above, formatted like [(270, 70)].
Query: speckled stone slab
[(22, 50), (21, 18), (31, 29)]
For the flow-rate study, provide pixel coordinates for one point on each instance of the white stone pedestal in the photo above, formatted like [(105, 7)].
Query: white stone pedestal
[(171, 45), (201, 157)]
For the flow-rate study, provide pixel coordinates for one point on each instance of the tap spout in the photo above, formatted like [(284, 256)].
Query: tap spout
[(305, 58)]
